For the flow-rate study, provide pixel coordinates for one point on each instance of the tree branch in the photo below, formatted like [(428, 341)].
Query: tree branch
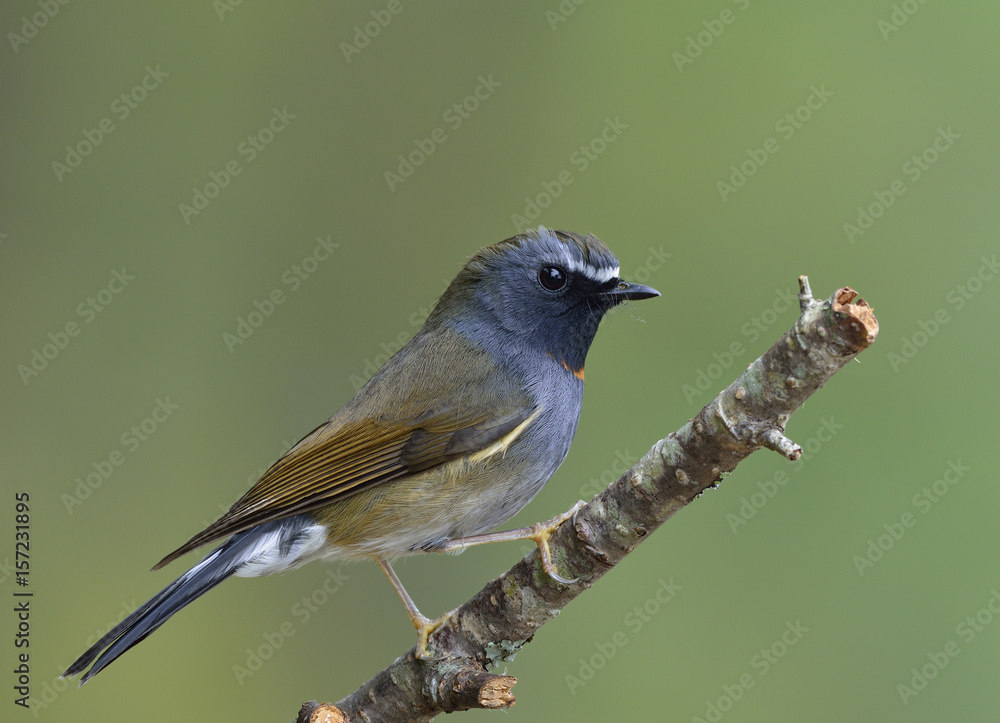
[(497, 622)]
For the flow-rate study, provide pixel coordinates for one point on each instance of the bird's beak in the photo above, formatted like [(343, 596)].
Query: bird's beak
[(625, 291)]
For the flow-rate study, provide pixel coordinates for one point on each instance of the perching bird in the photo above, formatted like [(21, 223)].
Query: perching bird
[(454, 435)]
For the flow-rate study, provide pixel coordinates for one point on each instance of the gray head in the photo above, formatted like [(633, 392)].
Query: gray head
[(549, 289)]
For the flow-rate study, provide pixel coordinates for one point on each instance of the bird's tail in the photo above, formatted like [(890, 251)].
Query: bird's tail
[(280, 538)]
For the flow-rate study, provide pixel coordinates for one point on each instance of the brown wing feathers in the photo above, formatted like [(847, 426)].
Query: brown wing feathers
[(326, 466), (310, 475)]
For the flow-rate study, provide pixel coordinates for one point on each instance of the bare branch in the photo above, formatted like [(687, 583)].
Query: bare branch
[(497, 622)]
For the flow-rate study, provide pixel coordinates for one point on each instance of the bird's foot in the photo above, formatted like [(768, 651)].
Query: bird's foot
[(425, 627), (540, 532)]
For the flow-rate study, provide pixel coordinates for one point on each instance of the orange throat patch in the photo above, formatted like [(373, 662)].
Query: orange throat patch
[(578, 373)]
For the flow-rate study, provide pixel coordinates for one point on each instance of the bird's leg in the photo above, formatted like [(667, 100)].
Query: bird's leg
[(539, 533), (424, 625)]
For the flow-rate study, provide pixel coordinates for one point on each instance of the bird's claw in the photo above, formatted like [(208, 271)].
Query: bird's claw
[(540, 534), (425, 627)]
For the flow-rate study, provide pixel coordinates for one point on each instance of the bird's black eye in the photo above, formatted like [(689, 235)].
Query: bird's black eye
[(552, 278)]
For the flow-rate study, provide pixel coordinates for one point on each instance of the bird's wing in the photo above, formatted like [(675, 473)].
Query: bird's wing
[(338, 460)]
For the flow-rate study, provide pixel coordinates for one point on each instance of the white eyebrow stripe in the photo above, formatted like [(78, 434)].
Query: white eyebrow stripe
[(573, 263), (600, 275)]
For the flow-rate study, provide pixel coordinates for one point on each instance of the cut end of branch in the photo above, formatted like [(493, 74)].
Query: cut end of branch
[(480, 689), (859, 322), (313, 712), (496, 693)]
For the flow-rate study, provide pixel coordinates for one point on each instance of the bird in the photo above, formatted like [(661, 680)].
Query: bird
[(455, 434)]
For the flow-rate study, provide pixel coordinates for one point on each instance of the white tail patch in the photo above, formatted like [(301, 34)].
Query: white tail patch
[(267, 557)]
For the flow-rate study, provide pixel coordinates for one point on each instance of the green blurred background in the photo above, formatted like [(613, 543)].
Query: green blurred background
[(821, 106)]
